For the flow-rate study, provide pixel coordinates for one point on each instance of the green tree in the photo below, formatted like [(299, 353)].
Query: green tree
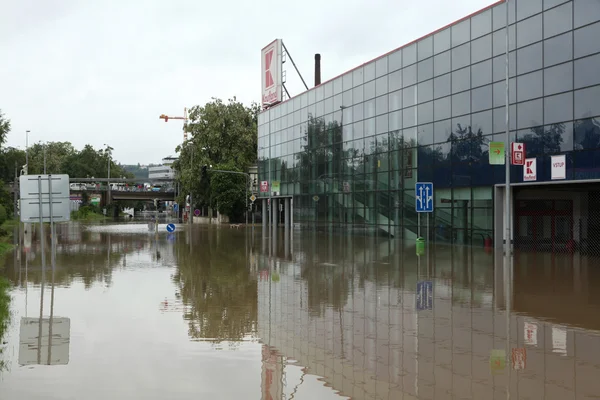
[(4, 128), (9, 158), (222, 134)]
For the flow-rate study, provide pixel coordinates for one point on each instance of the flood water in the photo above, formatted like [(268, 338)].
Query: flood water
[(222, 313)]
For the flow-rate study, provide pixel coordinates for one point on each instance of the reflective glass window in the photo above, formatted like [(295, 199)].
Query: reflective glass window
[(409, 55), (441, 41), (461, 80), (481, 73), (320, 111), (441, 86), (499, 15), (529, 31), (528, 8), (529, 86), (381, 124), (409, 75), (395, 80), (408, 117), (586, 102), (395, 61), (441, 108), (481, 24), (558, 20), (409, 96), (441, 63), (381, 67), (337, 101), (347, 81), (482, 121), (555, 79), (328, 106), (369, 71), (425, 91), (369, 90), (395, 120), (587, 40), (585, 12), (481, 49), (357, 94), (461, 103), (381, 85), (587, 134), (530, 113), (358, 113), (369, 109), (318, 96), (558, 49), (558, 108), (499, 89), (395, 100), (311, 99), (461, 56), (425, 135), (425, 69), (425, 113), (499, 118), (425, 48), (481, 98), (327, 90), (552, 3), (442, 130), (461, 33), (529, 58), (499, 66), (499, 40), (338, 87), (586, 71), (358, 77), (381, 104), (347, 97), (369, 127)]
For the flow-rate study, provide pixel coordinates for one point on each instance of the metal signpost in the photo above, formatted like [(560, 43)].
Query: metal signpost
[(423, 204)]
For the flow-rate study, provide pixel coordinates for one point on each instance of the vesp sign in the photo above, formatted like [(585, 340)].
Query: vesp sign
[(558, 167), (271, 73)]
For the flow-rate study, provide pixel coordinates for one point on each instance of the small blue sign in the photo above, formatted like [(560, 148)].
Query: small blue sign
[(171, 228), (171, 237), (175, 207), (424, 295), (424, 197)]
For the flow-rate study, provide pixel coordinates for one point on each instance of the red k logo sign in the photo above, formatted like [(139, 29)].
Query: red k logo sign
[(528, 166), (268, 76)]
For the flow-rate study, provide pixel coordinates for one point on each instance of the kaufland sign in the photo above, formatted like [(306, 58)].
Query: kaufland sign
[(271, 73)]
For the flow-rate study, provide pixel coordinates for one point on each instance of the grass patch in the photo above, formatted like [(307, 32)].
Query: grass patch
[(87, 213), (5, 248)]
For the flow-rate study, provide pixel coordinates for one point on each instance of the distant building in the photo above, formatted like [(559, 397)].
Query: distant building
[(163, 171)]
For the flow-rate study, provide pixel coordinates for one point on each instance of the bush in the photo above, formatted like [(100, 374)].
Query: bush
[(3, 214)]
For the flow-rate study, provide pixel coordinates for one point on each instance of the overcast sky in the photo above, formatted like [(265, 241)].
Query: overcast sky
[(89, 71)]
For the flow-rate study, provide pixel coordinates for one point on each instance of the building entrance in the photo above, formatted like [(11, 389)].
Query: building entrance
[(544, 225)]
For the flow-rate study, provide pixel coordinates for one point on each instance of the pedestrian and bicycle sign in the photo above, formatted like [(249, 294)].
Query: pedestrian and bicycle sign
[(497, 153), (424, 295), (171, 228), (424, 197)]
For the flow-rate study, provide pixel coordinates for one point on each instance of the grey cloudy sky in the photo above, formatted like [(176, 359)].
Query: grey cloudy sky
[(103, 71)]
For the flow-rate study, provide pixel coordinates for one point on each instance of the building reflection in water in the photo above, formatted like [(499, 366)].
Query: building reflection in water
[(346, 310)]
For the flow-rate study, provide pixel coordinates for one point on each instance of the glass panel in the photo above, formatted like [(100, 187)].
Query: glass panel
[(528, 8), (481, 98), (425, 48), (338, 86), (369, 72), (558, 49), (441, 41), (395, 100), (395, 119), (481, 74), (558, 20), (409, 55), (408, 117), (442, 130), (555, 79), (500, 118), (461, 56), (358, 113), (586, 102), (395, 61), (529, 86), (441, 86), (409, 97), (481, 24), (529, 31), (552, 3), (585, 12), (441, 63), (586, 71), (529, 113), (369, 90), (395, 80), (369, 109), (425, 91), (499, 66), (499, 40), (482, 122), (381, 67), (425, 113), (529, 58), (558, 108), (587, 40), (425, 69), (587, 134), (409, 76), (381, 104), (461, 80), (461, 103), (381, 85), (499, 15), (425, 135), (481, 49), (461, 33), (441, 108)]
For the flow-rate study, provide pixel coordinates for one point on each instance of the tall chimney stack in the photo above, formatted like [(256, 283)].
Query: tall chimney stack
[(317, 69)]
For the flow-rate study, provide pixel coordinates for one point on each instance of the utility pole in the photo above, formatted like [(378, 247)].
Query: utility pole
[(27, 152), (507, 146)]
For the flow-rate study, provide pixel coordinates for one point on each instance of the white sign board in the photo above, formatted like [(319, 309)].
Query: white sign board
[(559, 340), (530, 333), (30, 198), (530, 170), (558, 166), (271, 73), (54, 348)]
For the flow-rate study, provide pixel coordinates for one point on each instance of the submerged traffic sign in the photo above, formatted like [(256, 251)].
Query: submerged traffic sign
[(497, 155), (171, 228)]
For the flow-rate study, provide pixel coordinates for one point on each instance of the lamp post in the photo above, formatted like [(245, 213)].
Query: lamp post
[(108, 149), (27, 152), (245, 189)]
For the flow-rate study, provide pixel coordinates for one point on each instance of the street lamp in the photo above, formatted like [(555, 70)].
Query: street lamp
[(27, 152)]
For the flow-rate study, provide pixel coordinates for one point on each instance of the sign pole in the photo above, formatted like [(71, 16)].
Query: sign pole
[(507, 200), (42, 222)]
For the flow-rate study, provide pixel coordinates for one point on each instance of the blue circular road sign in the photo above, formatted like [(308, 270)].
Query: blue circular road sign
[(171, 228)]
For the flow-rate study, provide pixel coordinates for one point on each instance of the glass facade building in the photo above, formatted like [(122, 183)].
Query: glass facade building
[(350, 150)]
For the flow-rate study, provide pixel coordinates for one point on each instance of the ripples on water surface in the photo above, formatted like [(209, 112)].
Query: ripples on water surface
[(212, 315)]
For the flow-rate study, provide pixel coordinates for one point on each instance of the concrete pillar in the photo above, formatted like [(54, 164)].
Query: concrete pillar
[(274, 212), (265, 215), (286, 212), (292, 213)]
